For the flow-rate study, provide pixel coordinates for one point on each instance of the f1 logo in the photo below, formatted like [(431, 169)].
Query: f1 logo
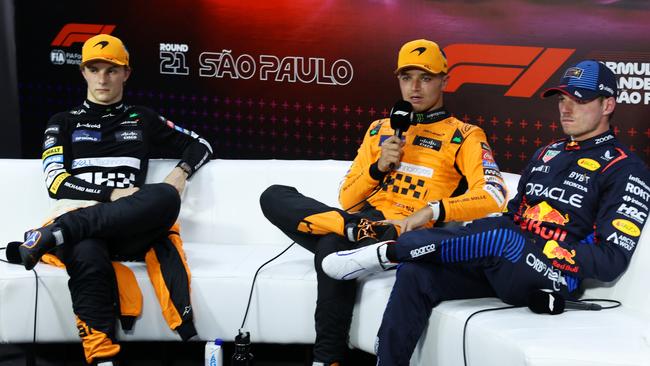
[(75, 32), (524, 69)]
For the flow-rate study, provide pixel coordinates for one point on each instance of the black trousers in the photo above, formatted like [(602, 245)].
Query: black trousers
[(122, 230), (286, 208), (490, 257)]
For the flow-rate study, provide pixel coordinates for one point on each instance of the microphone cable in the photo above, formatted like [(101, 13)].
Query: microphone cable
[(615, 303), (30, 356), (374, 191), (250, 295), (476, 313)]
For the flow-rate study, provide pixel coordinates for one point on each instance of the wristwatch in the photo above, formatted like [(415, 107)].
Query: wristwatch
[(186, 168), (435, 209)]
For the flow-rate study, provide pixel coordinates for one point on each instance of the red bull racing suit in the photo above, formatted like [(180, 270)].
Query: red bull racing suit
[(578, 213), (88, 152), (444, 159)]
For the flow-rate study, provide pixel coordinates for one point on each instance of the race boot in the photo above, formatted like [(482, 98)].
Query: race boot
[(360, 262), (37, 243)]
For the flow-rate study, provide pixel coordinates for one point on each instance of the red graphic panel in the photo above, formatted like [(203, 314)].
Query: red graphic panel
[(303, 79), (79, 33)]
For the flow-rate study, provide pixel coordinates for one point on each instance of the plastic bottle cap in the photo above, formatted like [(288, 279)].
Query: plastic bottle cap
[(218, 341)]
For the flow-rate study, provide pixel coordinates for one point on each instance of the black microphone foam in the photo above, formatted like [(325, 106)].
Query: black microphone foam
[(401, 117), (542, 302), (548, 302), (12, 253)]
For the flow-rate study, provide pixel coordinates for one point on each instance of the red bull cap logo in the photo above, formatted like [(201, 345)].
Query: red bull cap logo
[(574, 72)]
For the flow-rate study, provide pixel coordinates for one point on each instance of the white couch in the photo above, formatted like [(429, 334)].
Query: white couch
[(227, 238)]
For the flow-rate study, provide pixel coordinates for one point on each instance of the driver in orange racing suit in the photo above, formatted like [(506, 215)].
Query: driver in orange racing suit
[(441, 170)]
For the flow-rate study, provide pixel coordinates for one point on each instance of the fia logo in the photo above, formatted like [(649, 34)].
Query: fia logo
[(57, 57)]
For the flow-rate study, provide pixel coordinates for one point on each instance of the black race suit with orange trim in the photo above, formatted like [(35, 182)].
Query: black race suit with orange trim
[(444, 160), (88, 152), (578, 213)]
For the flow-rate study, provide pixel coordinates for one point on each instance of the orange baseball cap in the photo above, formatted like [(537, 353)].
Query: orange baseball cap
[(422, 54), (106, 48)]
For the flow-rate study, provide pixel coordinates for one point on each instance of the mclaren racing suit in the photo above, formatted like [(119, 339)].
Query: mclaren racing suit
[(578, 214), (88, 152), (443, 159)]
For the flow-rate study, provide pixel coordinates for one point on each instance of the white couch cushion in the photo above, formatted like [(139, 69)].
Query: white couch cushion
[(281, 311), (227, 238)]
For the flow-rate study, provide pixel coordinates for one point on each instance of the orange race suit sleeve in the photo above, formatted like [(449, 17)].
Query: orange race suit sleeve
[(360, 181)]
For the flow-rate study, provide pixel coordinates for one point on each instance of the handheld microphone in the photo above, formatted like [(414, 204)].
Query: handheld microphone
[(12, 253), (548, 302), (401, 116)]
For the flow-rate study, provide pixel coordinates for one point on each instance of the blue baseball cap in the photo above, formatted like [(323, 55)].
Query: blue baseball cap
[(585, 81)]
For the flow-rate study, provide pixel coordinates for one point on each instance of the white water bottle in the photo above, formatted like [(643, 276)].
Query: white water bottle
[(214, 353)]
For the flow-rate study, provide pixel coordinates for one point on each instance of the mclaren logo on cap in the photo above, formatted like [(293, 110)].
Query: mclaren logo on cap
[(573, 72), (101, 43), (420, 50)]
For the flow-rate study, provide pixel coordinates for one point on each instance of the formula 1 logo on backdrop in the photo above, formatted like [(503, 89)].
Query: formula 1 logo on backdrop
[(523, 69), (70, 34)]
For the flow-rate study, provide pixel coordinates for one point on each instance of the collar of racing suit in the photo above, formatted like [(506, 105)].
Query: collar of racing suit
[(585, 144), (95, 108), (431, 116)]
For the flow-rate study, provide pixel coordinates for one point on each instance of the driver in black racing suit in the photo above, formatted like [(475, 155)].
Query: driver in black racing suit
[(95, 159)]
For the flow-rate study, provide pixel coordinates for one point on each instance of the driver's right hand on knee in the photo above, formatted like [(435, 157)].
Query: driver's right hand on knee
[(122, 192)]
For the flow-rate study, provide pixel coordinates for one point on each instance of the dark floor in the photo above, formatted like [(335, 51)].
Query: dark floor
[(168, 354)]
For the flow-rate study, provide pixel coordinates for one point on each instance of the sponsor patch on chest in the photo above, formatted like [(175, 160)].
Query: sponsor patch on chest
[(135, 135), (413, 169), (86, 136), (427, 143)]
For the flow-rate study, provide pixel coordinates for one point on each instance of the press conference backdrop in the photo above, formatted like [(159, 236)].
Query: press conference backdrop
[(303, 79)]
